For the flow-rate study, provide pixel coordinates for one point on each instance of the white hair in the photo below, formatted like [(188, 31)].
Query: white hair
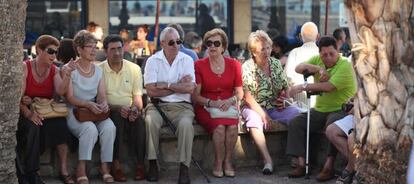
[(309, 32), (168, 30)]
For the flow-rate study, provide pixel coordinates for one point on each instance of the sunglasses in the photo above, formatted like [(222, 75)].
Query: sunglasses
[(216, 43), (172, 42), (51, 51)]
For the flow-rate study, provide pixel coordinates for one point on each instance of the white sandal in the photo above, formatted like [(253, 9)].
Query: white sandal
[(268, 169)]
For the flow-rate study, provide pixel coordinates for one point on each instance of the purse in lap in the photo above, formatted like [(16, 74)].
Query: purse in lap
[(48, 108), (231, 113), (83, 114)]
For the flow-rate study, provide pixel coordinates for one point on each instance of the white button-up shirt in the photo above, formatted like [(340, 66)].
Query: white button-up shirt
[(157, 69)]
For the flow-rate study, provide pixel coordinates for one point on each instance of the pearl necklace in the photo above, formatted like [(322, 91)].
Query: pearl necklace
[(83, 71)]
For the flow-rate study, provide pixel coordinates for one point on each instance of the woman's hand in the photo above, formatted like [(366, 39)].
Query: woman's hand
[(94, 107), (36, 119), (266, 122), (104, 107), (26, 100)]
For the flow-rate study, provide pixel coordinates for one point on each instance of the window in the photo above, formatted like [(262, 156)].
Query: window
[(59, 18), (131, 13), (284, 16)]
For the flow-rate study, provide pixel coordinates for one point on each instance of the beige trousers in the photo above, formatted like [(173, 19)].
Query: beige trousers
[(182, 116)]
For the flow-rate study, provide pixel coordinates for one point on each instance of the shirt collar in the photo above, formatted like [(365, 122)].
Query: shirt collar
[(108, 69)]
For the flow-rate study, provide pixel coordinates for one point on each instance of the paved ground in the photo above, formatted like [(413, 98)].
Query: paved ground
[(243, 176)]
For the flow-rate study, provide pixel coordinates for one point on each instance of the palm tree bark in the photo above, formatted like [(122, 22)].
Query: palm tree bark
[(383, 55), (12, 27)]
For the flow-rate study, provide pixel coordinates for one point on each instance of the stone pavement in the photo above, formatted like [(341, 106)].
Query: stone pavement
[(251, 175)]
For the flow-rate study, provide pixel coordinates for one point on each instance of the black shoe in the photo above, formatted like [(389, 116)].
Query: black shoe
[(152, 171), (34, 178), (184, 178)]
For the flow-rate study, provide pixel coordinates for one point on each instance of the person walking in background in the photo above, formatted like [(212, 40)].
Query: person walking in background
[(87, 89), (169, 79), (123, 82), (194, 42), (205, 21), (219, 86), (265, 85)]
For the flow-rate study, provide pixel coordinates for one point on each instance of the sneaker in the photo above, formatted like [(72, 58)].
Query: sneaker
[(267, 169)]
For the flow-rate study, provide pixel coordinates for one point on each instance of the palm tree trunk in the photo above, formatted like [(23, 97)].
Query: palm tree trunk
[(383, 50), (12, 25)]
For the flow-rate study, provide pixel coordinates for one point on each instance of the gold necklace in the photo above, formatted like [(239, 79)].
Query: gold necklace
[(37, 72)]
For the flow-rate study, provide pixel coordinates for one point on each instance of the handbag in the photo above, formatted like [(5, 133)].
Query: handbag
[(231, 113), (83, 114), (48, 108)]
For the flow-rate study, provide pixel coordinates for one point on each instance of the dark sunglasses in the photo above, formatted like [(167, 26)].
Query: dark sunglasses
[(51, 51), (172, 42), (216, 43)]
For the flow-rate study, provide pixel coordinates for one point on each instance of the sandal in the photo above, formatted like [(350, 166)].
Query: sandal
[(107, 178), (345, 178), (267, 169), (67, 179), (82, 180)]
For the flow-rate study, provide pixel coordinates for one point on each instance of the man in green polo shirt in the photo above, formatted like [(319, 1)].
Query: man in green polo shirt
[(123, 85), (335, 80)]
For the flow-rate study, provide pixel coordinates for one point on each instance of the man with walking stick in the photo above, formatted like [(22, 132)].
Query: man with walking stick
[(335, 81), (169, 79)]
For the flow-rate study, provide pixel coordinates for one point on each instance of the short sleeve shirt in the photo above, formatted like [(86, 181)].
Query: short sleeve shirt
[(264, 89), (121, 87), (342, 76), (157, 69)]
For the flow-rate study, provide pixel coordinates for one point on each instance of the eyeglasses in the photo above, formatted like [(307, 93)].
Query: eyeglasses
[(51, 51), (172, 42), (216, 43), (91, 46)]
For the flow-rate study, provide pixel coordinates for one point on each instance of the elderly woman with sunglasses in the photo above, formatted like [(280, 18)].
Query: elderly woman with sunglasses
[(87, 90), (264, 84), (219, 87), (34, 134)]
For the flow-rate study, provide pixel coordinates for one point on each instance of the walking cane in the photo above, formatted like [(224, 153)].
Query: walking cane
[(173, 129), (306, 75)]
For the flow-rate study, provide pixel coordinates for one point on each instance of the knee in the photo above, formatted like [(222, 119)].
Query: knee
[(331, 132), (109, 128), (295, 124), (152, 122), (219, 130), (185, 124), (89, 131)]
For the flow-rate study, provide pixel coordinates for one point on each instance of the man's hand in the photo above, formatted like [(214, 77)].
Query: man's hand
[(295, 90), (324, 75), (133, 115), (26, 100), (186, 79), (124, 111)]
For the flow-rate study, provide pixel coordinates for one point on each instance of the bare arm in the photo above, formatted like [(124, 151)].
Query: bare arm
[(157, 90), (311, 68)]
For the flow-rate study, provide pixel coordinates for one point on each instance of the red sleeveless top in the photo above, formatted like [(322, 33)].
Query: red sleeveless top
[(35, 89)]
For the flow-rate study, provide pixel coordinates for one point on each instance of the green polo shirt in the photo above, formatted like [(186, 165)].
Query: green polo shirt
[(342, 76)]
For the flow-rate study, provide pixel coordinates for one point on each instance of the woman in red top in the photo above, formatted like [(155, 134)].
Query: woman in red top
[(219, 85), (34, 134)]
